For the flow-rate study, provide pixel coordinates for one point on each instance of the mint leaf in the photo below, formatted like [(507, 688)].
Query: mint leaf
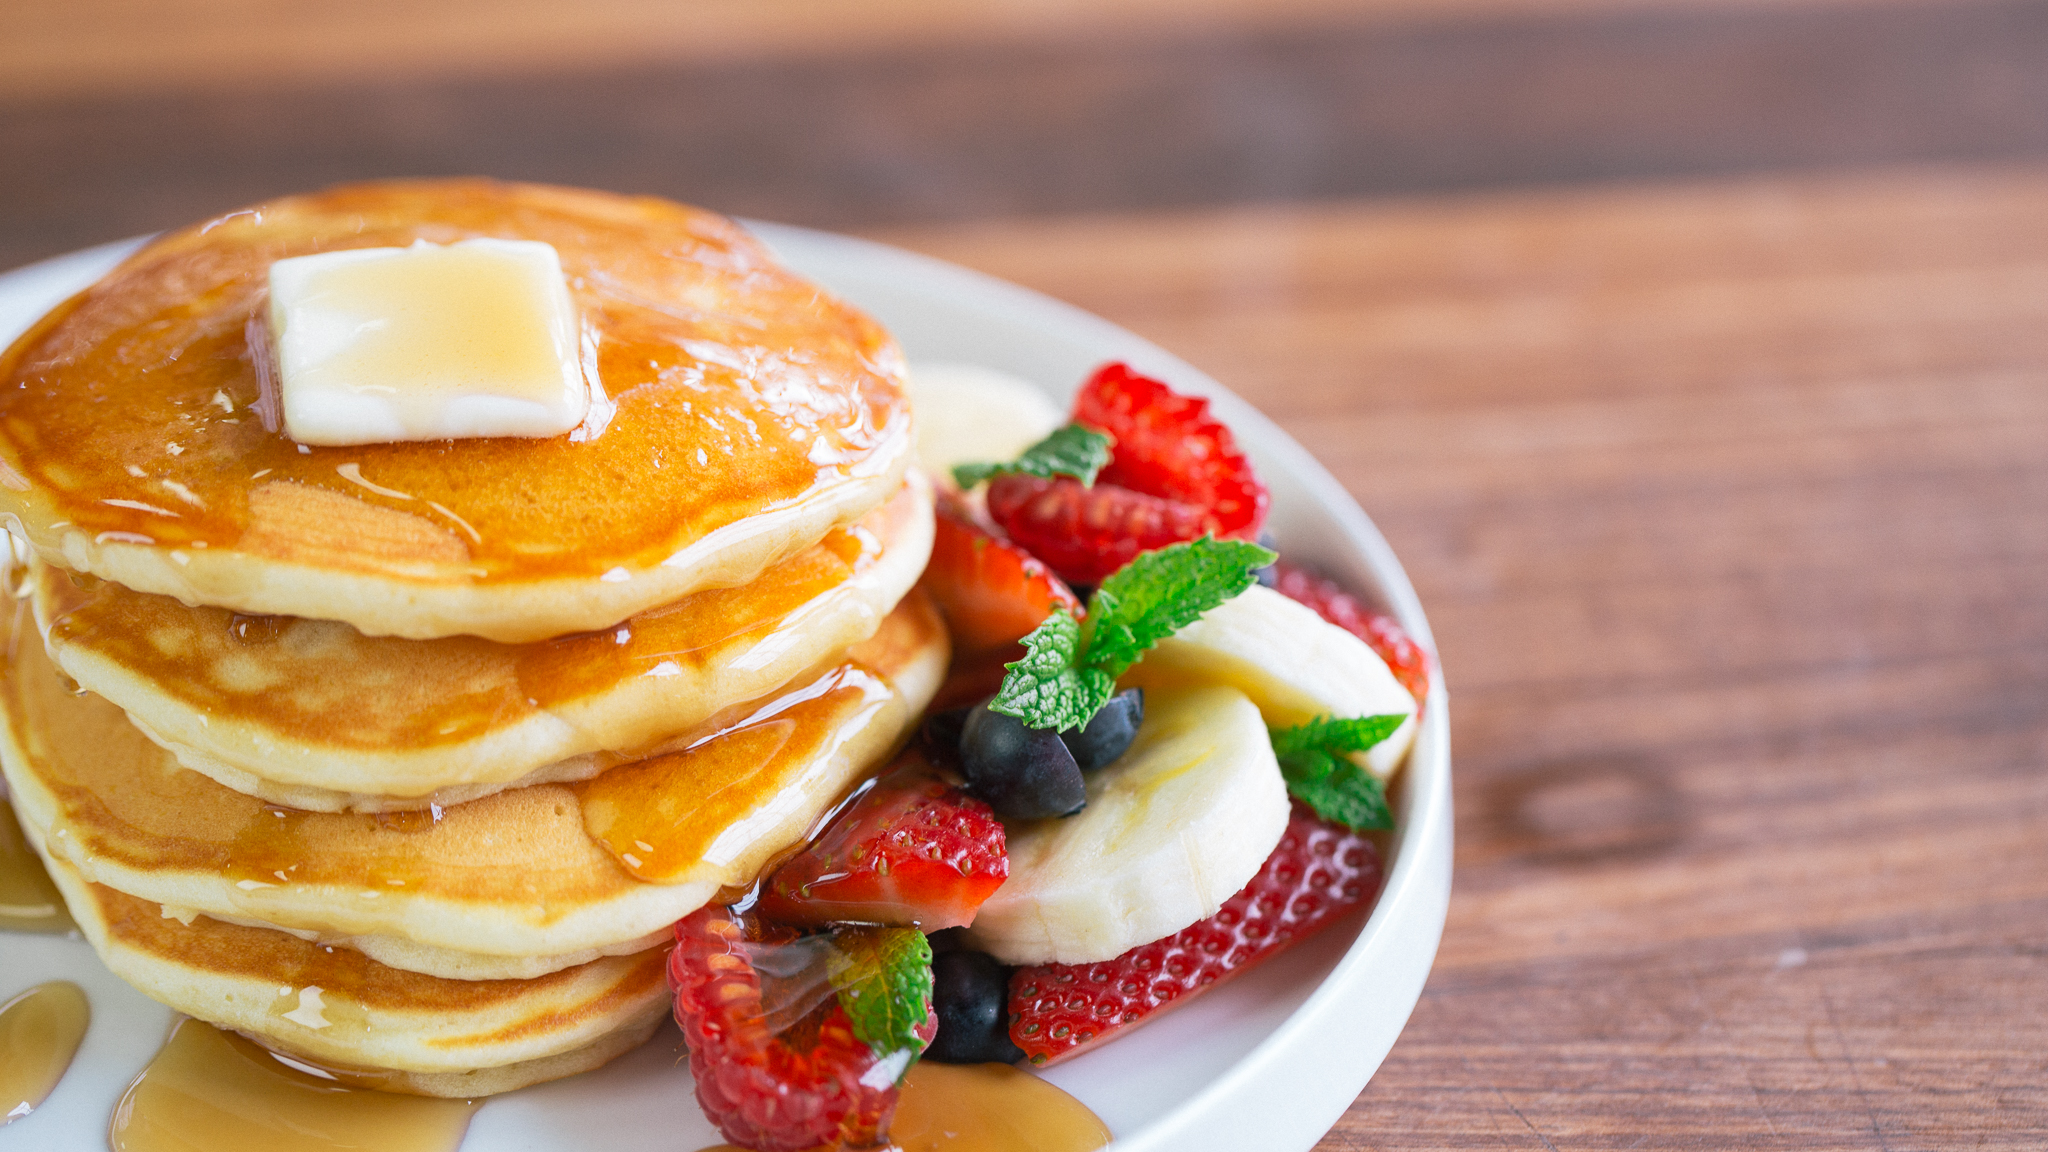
[(1049, 688), (884, 978), (1069, 670), (1315, 762), (1159, 593), (1072, 450)]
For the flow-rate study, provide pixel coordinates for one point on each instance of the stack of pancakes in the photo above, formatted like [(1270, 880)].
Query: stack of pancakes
[(403, 758)]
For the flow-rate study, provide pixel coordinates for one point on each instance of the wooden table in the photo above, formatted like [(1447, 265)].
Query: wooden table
[(1724, 482), (1729, 506)]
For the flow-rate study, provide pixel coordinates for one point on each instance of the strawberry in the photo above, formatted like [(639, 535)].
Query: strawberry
[(775, 1090), (1088, 533), (912, 850), (990, 591), (1169, 446), (1405, 658), (1319, 872)]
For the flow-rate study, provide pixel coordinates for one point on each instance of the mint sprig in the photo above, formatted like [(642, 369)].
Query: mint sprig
[(1070, 666), (1316, 763), (884, 981), (1072, 450)]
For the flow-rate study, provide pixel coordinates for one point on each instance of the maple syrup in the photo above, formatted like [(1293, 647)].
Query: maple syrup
[(212, 1089), (29, 901), (984, 1108), (39, 1033), (738, 388), (990, 1108)]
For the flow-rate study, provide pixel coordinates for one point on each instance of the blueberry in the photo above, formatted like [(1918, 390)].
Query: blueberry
[(970, 994), (1024, 773), (1269, 575), (1103, 739), (939, 737)]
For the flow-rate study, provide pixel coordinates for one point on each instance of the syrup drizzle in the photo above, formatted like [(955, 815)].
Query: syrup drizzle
[(39, 1034), (28, 900), (984, 1108), (211, 1089)]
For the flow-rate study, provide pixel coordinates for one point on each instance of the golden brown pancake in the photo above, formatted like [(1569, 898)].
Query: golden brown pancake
[(523, 881), (334, 1006), (749, 413), (313, 714)]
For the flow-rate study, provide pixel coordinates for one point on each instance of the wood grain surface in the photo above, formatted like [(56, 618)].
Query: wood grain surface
[(130, 117), (1693, 355), (1729, 506)]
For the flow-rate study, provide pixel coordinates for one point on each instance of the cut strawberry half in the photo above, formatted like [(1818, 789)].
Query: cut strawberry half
[(914, 850), (1169, 446), (1319, 872), (1088, 533), (1405, 658), (990, 591), (767, 1082)]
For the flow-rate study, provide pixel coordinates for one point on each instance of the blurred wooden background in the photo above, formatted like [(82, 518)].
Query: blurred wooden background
[(1693, 354)]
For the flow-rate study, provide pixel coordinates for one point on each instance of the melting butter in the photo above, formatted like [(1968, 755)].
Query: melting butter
[(375, 345)]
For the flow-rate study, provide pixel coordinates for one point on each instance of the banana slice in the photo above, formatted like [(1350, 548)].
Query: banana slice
[(967, 414), (1292, 663), (1172, 829)]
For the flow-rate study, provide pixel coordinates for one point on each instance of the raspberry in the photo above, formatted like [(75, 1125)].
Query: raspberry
[(1088, 533), (913, 850), (1318, 872), (773, 1092), (1405, 658), (1168, 445)]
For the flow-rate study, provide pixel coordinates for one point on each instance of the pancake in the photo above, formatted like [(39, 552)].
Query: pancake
[(748, 413), (331, 1006), (523, 881), (313, 714)]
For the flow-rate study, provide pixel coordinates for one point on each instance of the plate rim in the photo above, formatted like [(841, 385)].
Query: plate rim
[(1415, 894)]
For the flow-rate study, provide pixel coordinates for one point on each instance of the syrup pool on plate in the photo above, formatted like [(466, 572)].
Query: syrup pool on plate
[(212, 1089), (39, 1033), (28, 899), (985, 1108)]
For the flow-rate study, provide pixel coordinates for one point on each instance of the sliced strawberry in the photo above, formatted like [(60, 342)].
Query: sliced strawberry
[(1168, 445), (768, 1083), (990, 591), (914, 850), (1088, 533), (1319, 872), (1405, 658)]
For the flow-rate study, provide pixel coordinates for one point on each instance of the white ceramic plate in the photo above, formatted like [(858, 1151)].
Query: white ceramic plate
[(1267, 1062)]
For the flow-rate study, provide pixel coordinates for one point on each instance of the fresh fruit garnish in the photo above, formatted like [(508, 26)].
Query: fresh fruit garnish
[(990, 591), (1175, 826), (912, 850), (1319, 872), (1294, 665), (1072, 450), (1087, 533), (1102, 739), (780, 1063), (1168, 445), (1071, 665), (1024, 773), (883, 981), (1316, 761), (970, 995), (1404, 657)]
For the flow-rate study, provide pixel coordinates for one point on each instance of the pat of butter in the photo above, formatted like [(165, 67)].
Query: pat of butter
[(477, 338)]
